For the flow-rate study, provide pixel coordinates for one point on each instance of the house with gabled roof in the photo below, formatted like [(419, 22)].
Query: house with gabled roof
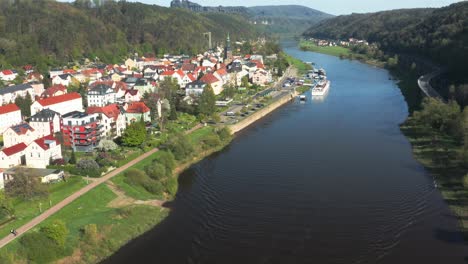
[(62, 79), (8, 94), (111, 119), (21, 133), (8, 75), (54, 90), (41, 151), (101, 94), (135, 111), (46, 122), (215, 83), (61, 104), (10, 115), (13, 156)]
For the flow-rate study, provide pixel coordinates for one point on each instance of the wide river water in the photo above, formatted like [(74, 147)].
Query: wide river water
[(325, 181)]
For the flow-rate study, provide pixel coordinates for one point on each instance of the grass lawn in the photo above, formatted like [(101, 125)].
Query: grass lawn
[(116, 226), (334, 51), (301, 66), (27, 210)]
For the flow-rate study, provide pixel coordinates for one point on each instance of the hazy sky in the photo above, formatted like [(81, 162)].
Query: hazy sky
[(335, 7)]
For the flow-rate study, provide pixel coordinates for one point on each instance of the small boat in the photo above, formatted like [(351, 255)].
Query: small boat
[(302, 97)]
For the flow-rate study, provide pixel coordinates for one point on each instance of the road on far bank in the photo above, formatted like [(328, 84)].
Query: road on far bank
[(425, 85), (40, 218)]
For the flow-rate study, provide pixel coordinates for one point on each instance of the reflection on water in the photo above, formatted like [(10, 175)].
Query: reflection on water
[(328, 182)]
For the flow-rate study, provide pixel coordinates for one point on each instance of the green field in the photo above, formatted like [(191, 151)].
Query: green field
[(116, 226), (27, 210), (334, 51)]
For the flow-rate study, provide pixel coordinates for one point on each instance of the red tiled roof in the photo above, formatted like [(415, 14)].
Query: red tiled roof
[(27, 67), (8, 108), (132, 92), (59, 99), (259, 64), (191, 77), (69, 71), (137, 108), (42, 141), (14, 149), (49, 92), (168, 73), (221, 72), (7, 72), (209, 78), (111, 111)]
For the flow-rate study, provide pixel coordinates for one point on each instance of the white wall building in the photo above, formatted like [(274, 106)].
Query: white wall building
[(10, 115), (61, 104)]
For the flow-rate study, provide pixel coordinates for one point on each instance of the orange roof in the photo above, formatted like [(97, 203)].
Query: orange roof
[(111, 111), (209, 78), (8, 108), (137, 108), (59, 99)]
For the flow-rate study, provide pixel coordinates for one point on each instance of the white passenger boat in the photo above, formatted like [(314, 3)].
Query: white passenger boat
[(321, 88)]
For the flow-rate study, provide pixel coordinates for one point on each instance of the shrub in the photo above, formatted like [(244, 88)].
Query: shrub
[(104, 159), (211, 141), (56, 231), (171, 185), (154, 187), (224, 134), (136, 177), (180, 146), (107, 145), (39, 248), (156, 171), (88, 167), (167, 159)]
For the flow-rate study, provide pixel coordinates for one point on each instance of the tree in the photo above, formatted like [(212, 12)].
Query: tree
[(56, 231), (156, 171), (6, 208), (245, 81), (180, 146), (107, 145), (207, 101), (72, 157), (24, 103), (229, 91), (134, 135), (25, 185), (88, 167)]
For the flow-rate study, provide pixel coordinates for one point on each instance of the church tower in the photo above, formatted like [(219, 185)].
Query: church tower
[(228, 51)]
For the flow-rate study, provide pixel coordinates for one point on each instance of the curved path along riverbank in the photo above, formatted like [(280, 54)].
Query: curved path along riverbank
[(93, 184)]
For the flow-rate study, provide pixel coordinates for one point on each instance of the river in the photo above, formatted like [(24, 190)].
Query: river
[(330, 181)]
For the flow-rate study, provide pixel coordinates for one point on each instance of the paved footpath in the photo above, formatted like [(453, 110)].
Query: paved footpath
[(34, 222)]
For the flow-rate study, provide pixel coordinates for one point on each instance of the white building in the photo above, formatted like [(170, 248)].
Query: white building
[(111, 118), (41, 151), (22, 133), (46, 122), (61, 104), (101, 95), (62, 79), (8, 75), (8, 94), (9, 115), (13, 156)]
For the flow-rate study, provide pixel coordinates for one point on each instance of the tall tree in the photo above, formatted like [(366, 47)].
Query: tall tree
[(134, 135), (26, 185), (207, 102)]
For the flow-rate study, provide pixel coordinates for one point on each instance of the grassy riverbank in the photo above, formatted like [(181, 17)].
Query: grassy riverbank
[(342, 52), (440, 154), (116, 222)]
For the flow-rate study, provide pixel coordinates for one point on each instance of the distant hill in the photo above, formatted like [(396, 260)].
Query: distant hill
[(46, 33), (286, 19), (288, 11), (438, 34)]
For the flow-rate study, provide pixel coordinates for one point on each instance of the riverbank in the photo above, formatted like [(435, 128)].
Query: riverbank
[(341, 52), (439, 154)]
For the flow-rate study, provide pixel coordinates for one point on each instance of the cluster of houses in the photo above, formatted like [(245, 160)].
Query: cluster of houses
[(113, 100), (343, 43)]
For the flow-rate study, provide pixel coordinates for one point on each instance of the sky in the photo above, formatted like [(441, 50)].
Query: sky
[(335, 7)]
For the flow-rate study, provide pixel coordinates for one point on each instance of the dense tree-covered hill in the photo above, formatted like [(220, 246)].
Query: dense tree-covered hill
[(438, 34), (46, 32), (287, 19)]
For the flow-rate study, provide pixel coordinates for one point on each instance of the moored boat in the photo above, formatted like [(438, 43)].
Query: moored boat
[(321, 88)]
